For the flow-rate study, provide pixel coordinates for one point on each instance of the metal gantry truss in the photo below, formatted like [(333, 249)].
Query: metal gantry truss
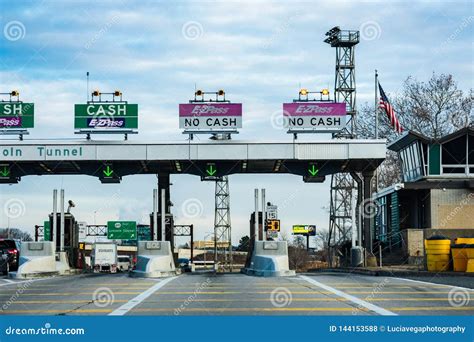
[(342, 184), (222, 226)]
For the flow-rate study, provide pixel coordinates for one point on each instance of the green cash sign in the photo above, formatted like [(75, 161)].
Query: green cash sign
[(122, 230), (17, 115), (110, 115)]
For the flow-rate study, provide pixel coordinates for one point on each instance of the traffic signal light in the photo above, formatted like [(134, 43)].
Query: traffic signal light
[(15, 93), (96, 93), (221, 92), (117, 93)]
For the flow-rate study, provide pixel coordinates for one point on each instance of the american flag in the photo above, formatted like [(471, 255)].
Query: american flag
[(385, 104)]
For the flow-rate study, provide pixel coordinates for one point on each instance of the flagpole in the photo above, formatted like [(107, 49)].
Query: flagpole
[(376, 126), (376, 107)]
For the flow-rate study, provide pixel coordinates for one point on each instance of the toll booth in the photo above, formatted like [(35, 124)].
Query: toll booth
[(169, 224), (71, 236)]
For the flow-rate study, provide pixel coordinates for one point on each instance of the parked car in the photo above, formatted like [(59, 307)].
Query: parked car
[(9, 255), (123, 263)]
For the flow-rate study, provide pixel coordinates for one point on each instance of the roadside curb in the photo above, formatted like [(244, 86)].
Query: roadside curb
[(389, 273)]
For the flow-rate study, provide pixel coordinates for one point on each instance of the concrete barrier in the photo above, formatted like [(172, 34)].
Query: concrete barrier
[(62, 264), (37, 259), (154, 260), (269, 259)]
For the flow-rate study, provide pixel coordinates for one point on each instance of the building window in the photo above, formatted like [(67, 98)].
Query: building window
[(454, 156), (413, 163)]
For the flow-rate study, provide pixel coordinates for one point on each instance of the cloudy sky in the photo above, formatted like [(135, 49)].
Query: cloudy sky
[(155, 52)]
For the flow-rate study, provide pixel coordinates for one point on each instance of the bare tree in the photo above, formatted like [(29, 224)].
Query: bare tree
[(433, 108)]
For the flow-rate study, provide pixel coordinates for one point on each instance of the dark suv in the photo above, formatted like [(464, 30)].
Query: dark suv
[(9, 255)]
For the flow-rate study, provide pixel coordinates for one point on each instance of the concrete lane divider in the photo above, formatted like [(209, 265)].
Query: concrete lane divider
[(360, 303), (269, 259), (37, 259), (154, 260), (122, 310)]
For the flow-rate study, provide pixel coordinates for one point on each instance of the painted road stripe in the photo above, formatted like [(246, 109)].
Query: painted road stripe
[(428, 283), (360, 302), (140, 298)]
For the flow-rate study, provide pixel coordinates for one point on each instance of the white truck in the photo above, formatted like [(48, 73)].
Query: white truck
[(104, 257)]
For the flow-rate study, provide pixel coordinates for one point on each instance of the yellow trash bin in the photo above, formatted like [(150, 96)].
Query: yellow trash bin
[(459, 252), (438, 252), (463, 240)]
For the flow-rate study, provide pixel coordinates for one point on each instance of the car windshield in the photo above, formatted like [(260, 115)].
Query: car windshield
[(7, 244)]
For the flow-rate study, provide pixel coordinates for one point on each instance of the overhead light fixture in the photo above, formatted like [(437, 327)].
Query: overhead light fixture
[(304, 92), (15, 93), (117, 93), (221, 92), (96, 93), (325, 91), (199, 93)]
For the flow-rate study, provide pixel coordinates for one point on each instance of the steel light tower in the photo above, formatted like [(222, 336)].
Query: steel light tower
[(222, 226), (342, 184)]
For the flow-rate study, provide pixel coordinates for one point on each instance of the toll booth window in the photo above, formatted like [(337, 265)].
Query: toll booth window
[(454, 155), (412, 162)]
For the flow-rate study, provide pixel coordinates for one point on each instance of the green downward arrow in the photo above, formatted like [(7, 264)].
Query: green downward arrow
[(313, 171), (211, 171), (4, 172), (108, 171)]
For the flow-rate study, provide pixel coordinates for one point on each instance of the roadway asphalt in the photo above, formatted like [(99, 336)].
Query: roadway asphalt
[(232, 294)]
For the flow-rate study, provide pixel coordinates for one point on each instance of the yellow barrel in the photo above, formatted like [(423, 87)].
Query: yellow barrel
[(470, 266), (469, 241), (459, 257), (437, 254)]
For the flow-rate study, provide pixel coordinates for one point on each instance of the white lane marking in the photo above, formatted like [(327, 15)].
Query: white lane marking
[(140, 298), (13, 282), (358, 301), (429, 283)]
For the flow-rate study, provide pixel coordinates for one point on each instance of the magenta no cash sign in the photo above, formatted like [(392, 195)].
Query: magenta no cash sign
[(308, 109), (210, 109)]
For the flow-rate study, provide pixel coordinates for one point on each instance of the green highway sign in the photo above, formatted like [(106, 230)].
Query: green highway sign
[(122, 230), (46, 231), (211, 169), (106, 115), (17, 115)]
